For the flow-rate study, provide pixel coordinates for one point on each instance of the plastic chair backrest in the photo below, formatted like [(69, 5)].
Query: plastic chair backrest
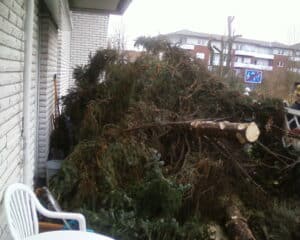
[(292, 118), (21, 212)]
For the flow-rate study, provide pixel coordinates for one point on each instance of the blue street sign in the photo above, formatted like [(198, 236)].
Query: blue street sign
[(253, 76)]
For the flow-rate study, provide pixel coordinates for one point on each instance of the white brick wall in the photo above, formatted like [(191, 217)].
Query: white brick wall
[(12, 19), (89, 33), (63, 75), (12, 16), (48, 68)]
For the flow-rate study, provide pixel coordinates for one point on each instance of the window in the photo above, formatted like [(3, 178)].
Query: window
[(247, 60), (216, 59), (238, 46), (249, 48), (202, 42), (262, 62), (200, 55), (239, 59), (280, 51), (183, 40), (280, 64)]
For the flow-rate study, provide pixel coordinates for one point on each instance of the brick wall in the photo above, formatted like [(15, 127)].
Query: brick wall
[(89, 33), (12, 15), (63, 68), (280, 62), (48, 68), (205, 51), (12, 20)]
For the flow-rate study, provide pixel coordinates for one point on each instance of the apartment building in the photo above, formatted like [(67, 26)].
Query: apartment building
[(246, 53), (40, 40)]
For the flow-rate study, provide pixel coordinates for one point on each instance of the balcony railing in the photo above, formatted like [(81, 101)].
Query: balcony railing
[(295, 59), (253, 54), (253, 66), (187, 46)]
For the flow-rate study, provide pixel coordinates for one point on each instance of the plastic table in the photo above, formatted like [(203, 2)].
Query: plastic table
[(68, 235)]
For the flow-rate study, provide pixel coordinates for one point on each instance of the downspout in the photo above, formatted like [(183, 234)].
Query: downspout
[(28, 163)]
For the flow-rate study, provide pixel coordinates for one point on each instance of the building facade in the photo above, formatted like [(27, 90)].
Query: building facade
[(38, 39), (92, 27), (245, 54)]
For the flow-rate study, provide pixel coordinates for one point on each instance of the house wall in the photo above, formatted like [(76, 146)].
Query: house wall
[(205, 51), (63, 64), (12, 21), (54, 61), (253, 48), (89, 34), (51, 55), (248, 54), (48, 69), (280, 62)]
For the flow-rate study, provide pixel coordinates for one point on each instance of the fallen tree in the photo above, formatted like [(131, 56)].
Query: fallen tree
[(158, 143), (244, 132)]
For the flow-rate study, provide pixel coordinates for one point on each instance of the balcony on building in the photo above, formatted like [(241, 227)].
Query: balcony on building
[(253, 54), (253, 66)]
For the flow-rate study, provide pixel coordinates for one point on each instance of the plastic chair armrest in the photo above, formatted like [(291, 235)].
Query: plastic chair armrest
[(62, 215)]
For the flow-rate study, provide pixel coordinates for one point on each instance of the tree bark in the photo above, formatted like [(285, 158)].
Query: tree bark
[(245, 132)]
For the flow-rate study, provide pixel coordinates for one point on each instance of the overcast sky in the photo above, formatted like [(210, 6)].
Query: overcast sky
[(269, 20)]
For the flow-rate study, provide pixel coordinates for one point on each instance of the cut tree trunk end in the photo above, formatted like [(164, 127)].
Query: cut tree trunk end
[(245, 132)]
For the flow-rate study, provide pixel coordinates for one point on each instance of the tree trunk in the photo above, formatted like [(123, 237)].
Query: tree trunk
[(245, 132)]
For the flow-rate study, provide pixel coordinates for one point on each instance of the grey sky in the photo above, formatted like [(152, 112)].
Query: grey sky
[(269, 20)]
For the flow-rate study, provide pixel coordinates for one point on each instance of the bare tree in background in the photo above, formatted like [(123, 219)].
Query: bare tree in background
[(230, 40), (211, 52), (226, 44), (221, 56), (118, 40)]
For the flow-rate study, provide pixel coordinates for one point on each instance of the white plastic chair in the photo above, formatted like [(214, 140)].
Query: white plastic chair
[(21, 207), (292, 117)]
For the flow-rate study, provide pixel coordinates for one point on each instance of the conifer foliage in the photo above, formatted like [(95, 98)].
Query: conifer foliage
[(137, 172)]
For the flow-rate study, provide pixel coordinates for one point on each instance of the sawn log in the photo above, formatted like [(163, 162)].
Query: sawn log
[(245, 132)]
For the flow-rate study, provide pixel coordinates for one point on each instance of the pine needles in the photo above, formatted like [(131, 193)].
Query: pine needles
[(137, 178)]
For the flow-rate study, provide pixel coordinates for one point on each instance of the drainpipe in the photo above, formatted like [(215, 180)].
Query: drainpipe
[(28, 163)]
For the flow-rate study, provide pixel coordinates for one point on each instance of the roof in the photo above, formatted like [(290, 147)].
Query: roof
[(105, 6), (60, 13), (241, 40), (296, 46)]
